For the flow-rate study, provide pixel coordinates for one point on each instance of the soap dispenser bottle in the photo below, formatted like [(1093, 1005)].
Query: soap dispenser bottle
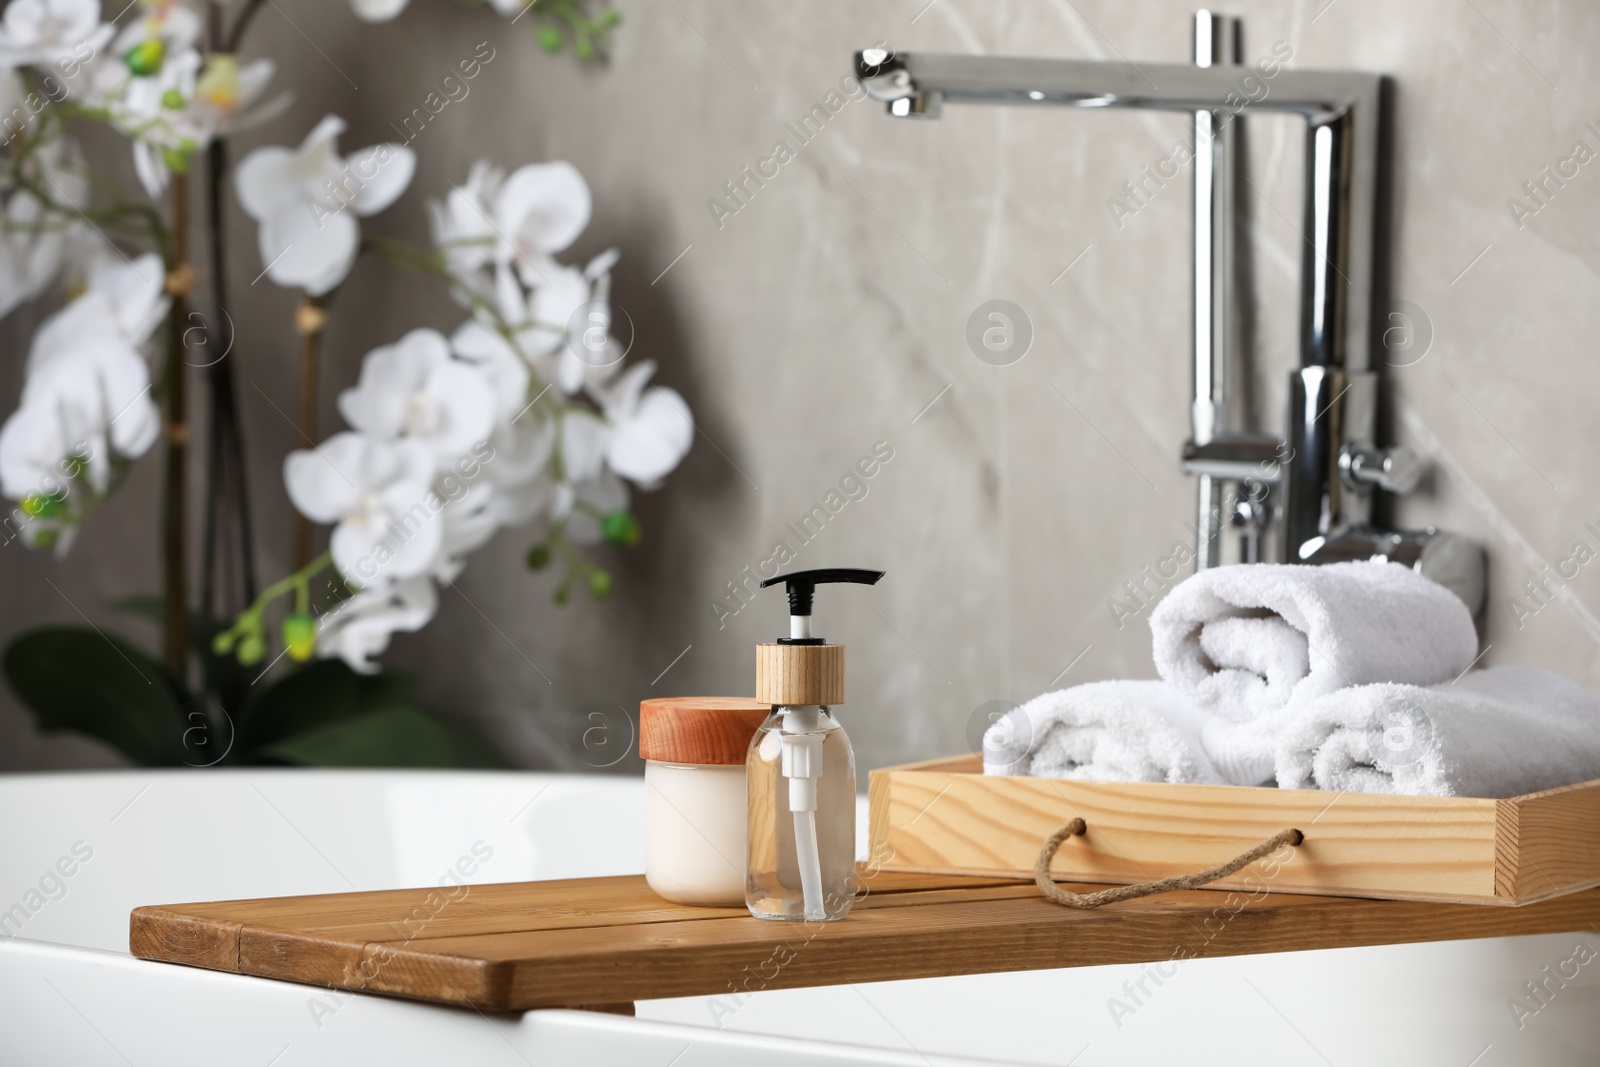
[(801, 770)]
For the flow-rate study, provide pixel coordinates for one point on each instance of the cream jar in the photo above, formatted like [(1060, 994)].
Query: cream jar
[(696, 797)]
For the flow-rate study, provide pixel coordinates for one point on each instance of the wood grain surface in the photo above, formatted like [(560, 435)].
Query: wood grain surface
[(609, 941), (700, 730), (945, 816), (800, 674)]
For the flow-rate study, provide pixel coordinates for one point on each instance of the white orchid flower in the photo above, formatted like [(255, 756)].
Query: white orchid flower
[(540, 209), (308, 239), (360, 628), (650, 429), (144, 113), (463, 224), (524, 434), (171, 22), (563, 327), (500, 364), (600, 495), (35, 247), (378, 494), (587, 488), (42, 32), (413, 388), (220, 99), (518, 501), (584, 437), (226, 96), (550, 309), (87, 398), (121, 302), (377, 10), (133, 293), (524, 441), (470, 519)]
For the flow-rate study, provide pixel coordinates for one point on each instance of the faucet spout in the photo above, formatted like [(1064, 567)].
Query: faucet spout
[(1317, 479), (1338, 279)]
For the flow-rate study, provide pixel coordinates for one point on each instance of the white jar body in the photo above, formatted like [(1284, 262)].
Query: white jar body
[(694, 825)]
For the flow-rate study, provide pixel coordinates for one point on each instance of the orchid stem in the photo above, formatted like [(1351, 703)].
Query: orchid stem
[(310, 318), (175, 636), (298, 583), (236, 34), (248, 623), (228, 574)]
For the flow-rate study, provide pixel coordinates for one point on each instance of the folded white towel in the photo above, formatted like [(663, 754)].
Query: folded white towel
[(1494, 733), (1247, 641), (1244, 753), (1124, 731)]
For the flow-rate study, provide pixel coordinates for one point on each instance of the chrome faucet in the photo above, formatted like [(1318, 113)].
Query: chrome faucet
[(1304, 496)]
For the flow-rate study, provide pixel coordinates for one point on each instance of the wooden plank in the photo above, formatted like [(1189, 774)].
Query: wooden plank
[(940, 816), (910, 927), (208, 934), (1549, 844), (498, 908), (169, 934)]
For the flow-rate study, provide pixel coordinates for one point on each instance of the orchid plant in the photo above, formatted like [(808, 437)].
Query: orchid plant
[(525, 414)]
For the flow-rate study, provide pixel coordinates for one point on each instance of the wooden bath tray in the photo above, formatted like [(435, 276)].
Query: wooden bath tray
[(605, 942), (945, 816)]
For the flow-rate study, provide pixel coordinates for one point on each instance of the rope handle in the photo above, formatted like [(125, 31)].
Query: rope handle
[(1077, 827)]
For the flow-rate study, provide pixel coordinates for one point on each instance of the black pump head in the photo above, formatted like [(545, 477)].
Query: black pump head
[(802, 585)]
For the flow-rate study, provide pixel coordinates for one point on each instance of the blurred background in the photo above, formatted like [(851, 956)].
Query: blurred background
[(824, 321)]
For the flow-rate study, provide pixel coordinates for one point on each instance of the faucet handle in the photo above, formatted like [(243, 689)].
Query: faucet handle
[(1397, 469)]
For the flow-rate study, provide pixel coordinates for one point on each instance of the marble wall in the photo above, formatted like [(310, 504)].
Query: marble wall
[(826, 318)]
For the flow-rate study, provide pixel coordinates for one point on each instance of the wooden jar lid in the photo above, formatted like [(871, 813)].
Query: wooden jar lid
[(715, 730), (800, 674)]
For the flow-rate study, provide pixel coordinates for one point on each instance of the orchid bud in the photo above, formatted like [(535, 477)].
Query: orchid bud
[(42, 506), (621, 528), (146, 57), (300, 635), (251, 649)]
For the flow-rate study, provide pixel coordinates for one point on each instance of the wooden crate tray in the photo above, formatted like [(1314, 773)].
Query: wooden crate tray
[(945, 816), (605, 942)]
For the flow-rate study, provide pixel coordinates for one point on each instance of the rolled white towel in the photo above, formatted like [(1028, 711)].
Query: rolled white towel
[(1120, 731), (1494, 733), (1247, 641)]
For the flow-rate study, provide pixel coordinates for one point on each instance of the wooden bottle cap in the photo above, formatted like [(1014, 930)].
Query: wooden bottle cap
[(715, 730), (800, 674)]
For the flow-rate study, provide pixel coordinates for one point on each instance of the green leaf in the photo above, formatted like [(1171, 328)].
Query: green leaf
[(224, 676), (399, 736), (327, 715), (314, 696), (80, 679)]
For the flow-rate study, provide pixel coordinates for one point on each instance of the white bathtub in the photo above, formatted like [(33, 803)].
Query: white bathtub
[(70, 994)]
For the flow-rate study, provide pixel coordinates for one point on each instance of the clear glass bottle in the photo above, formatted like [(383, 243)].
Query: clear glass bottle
[(800, 759)]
